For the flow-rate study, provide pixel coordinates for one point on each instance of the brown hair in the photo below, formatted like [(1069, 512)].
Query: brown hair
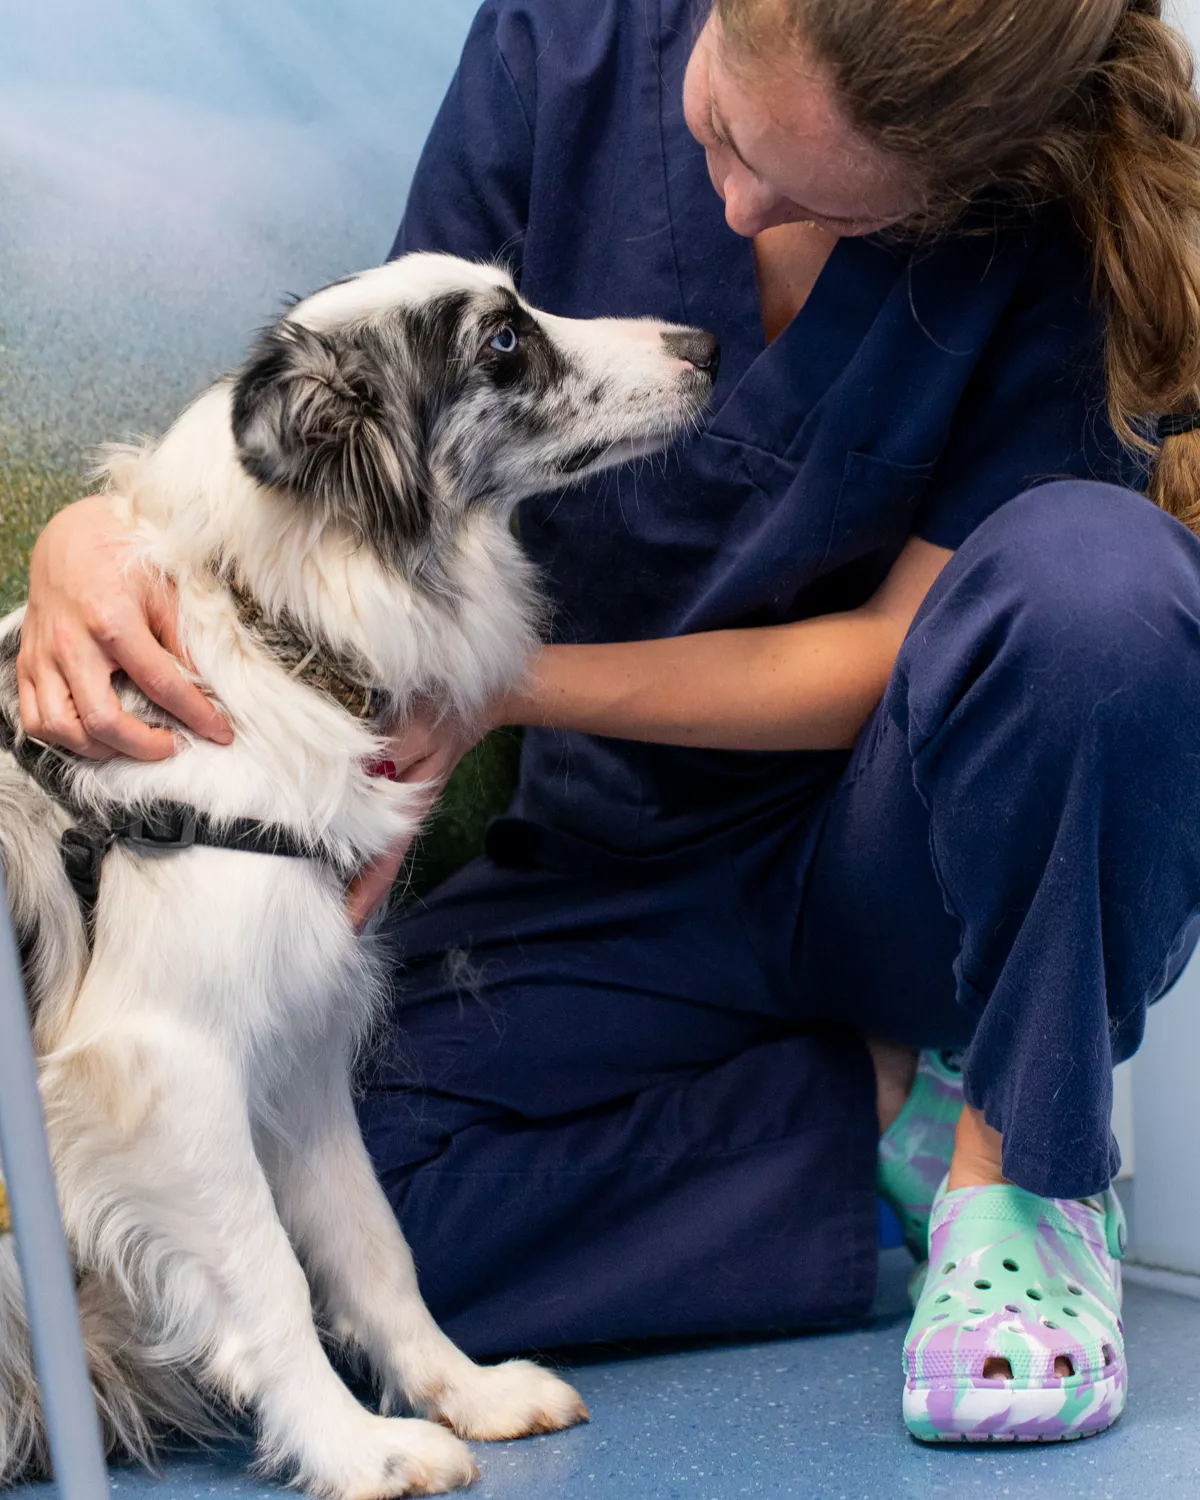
[(1086, 101)]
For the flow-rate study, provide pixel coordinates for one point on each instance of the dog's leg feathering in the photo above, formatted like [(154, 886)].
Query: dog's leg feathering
[(204, 1246), (363, 1273), (23, 1447)]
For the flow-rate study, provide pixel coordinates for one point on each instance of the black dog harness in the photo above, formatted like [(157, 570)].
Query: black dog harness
[(160, 828)]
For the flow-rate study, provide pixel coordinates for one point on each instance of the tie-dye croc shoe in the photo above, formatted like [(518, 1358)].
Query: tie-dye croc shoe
[(915, 1150), (1017, 1336)]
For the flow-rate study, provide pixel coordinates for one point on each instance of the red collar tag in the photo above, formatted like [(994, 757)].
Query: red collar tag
[(384, 768)]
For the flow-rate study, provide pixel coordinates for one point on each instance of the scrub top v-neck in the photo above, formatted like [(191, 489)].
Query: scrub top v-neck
[(917, 390)]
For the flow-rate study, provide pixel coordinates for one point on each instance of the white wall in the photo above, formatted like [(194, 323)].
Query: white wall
[(1186, 15), (1165, 1093), (1157, 1126)]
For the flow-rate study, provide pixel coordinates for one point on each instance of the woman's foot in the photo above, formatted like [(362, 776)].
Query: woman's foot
[(918, 1137), (1017, 1336), (895, 1069), (977, 1160)]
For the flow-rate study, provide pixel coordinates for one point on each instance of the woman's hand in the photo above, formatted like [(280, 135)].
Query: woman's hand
[(423, 753), (89, 615)]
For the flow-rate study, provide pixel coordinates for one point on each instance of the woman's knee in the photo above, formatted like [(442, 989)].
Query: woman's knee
[(1081, 552), (1079, 593)]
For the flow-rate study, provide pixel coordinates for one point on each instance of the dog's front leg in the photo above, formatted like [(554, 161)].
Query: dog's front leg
[(161, 1181), (363, 1273)]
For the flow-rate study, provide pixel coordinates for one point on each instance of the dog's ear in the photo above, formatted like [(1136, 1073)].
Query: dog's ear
[(317, 415)]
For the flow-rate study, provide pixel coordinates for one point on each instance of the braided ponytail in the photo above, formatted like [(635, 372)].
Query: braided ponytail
[(1139, 206), (1086, 101)]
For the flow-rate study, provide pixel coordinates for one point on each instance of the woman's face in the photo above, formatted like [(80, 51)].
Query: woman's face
[(778, 148)]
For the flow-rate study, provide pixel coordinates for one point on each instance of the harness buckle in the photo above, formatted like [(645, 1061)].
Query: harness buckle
[(83, 850), (161, 831)]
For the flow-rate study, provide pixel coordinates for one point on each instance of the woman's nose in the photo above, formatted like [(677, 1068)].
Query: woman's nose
[(750, 205)]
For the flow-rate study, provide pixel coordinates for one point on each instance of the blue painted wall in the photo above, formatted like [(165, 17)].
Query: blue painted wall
[(169, 170)]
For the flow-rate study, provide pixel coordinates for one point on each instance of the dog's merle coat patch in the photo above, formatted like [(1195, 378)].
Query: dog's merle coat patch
[(362, 421), (337, 421)]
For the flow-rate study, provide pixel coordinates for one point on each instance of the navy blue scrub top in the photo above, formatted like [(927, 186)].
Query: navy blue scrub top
[(917, 389)]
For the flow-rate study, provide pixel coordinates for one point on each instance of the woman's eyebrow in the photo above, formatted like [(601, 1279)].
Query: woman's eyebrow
[(722, 129)]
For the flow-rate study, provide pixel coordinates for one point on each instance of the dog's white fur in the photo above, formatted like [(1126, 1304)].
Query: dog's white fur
[(195, 1063)]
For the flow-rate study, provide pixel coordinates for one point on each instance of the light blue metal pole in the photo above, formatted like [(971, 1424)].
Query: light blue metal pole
[(49, 1283)]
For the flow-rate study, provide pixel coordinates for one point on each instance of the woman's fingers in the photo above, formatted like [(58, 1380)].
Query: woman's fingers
[(136, 651), (426, 769), (80, 661), (412, 743), (90, 614), (371, 887), (48, 713), (27, 702), (428, 746), (109, 725), (419, 753), (162, 616)]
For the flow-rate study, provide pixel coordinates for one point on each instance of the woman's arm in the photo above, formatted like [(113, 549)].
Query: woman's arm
[(807, 686)]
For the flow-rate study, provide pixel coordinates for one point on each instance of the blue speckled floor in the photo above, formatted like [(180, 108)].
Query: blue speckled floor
[(817, 1418)]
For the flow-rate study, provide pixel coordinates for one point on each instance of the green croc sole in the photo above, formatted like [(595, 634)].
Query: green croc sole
[(1017, 1336)]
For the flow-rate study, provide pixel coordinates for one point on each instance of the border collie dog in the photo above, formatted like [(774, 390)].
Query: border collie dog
[(335, 520)]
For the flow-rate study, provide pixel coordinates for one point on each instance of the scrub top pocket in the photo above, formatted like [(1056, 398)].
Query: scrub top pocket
[(876, 507)]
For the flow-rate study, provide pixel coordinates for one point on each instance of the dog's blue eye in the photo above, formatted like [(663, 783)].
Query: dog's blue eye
[(505, 342)]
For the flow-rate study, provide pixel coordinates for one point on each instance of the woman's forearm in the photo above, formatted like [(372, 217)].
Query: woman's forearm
[(809, 686), (804, 686)]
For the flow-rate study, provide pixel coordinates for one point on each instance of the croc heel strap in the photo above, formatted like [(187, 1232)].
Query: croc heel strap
[(1027, 1289)]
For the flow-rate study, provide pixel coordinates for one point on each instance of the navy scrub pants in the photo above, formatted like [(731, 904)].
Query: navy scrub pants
[(632, 1101)]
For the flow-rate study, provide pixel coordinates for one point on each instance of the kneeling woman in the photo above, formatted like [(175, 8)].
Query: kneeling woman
[(902, 741)]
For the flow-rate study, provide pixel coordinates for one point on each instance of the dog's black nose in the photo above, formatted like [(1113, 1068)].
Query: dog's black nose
[(700, 349)]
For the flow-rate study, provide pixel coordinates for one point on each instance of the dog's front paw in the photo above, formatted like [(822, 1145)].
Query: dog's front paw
[(388, 1457), (513, 1400)]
